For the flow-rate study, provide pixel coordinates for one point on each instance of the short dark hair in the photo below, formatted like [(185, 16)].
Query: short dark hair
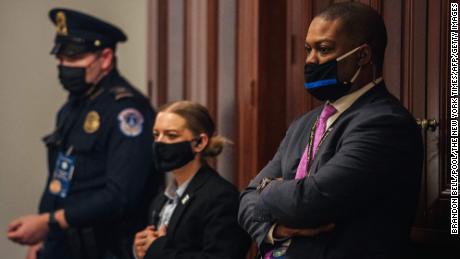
[(363, 24)]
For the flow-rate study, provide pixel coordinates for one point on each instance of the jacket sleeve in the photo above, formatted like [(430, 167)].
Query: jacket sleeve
[(222, 238), (46, 200), (368, 161), (258, 229), (128, 166)]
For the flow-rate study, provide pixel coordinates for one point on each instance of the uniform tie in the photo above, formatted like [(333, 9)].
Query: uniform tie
[(327, 112)]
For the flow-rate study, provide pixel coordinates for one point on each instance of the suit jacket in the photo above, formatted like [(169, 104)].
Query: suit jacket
[(365, 178), (204, 223)]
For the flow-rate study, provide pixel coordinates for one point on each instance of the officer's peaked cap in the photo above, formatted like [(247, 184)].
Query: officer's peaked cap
[(78, 33)]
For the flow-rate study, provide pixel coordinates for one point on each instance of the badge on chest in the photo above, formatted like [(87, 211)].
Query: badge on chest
[(92, 122), (62, 175)]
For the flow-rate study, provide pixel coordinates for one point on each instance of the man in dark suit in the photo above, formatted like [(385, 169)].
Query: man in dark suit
[(345, 180), (100, 156)]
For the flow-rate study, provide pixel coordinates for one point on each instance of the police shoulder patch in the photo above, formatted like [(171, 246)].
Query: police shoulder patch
[(130, 122)]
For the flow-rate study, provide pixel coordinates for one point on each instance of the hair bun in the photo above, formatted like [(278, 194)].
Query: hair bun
[(215, 146)]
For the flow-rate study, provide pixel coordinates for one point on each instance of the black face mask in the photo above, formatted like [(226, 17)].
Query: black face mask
[(73, 79), (321, 80), (168, 157)]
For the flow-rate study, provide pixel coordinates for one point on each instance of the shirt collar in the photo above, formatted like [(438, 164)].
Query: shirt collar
[(173, 191), (346, 101)]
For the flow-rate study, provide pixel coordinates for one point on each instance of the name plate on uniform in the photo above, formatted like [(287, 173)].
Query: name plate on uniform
[(62, 175)]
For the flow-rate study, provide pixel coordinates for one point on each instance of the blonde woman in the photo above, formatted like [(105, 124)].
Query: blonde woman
[(196, 215)]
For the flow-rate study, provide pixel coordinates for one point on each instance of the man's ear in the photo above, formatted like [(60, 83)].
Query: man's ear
[(107, 58), (365, 55)]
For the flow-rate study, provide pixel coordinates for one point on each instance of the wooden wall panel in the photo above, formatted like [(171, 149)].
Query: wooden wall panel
[(392, 69), (212, 61), (152, 46), (271, 97), (297, 99), (162, 76), (247, 87), (414, 56), (226, 100), (197, 52), (444, 83), (176, 48), (433, 78)]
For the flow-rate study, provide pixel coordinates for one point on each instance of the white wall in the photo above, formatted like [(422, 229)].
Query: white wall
[(30, 94)]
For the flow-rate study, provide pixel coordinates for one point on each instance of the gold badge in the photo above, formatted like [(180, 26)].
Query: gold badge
[(55, 186), (92, 122), (61, 23)]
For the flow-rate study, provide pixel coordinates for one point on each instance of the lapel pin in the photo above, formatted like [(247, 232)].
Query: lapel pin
[(185, 199)]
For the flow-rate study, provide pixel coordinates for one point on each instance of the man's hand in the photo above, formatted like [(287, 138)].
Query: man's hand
[(281, 231), (60, 218), (265, 182), (29, 230), (145, 238), (32, 251)]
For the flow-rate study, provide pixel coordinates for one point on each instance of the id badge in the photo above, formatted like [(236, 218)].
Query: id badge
[(279, 252), (62, 175)]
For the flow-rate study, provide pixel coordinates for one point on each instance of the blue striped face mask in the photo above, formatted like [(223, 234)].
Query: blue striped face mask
[(321, 80)]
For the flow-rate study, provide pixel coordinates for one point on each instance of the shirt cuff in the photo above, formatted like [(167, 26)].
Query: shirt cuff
[(271, 239)]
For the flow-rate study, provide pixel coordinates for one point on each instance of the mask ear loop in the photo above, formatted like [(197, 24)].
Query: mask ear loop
[(348, 53), (374, 74), (355, 75)]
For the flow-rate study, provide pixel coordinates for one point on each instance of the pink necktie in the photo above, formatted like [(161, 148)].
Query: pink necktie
[(327, 112)]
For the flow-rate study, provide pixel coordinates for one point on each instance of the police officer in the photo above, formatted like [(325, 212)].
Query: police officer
[(100, 157)]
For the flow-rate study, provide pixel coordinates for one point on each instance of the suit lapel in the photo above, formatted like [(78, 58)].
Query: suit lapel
[(156, 207), (368, 97), (187, 198)]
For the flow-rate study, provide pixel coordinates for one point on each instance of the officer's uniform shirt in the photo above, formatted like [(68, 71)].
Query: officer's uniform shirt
[(109, 133), (100, 154)]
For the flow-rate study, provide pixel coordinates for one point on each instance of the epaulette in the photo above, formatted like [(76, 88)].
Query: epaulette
[(120, 92)]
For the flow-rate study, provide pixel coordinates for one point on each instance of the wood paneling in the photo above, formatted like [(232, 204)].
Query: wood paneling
[(152, 46), (247, 87), (187, 49), (162, 75), (212, 64), (271, 98), (297, 100), (392, 69), (176, 49), (197, 51)]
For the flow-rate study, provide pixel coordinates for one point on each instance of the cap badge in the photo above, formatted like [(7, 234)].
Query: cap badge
[(61, 24)]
